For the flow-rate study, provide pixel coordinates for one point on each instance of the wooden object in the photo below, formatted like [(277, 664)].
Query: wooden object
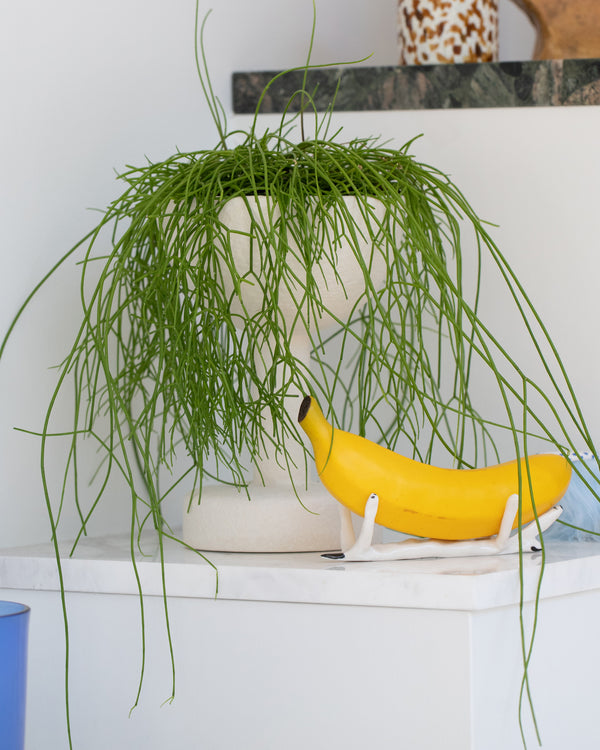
[(567, 29)]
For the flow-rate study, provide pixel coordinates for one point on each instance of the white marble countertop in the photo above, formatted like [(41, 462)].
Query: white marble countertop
[(104, 566)]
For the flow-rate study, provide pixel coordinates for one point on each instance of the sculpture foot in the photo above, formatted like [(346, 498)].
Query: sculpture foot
[(363, 550)]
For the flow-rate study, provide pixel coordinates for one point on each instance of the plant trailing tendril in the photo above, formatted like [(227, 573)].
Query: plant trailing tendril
[(163, 363)]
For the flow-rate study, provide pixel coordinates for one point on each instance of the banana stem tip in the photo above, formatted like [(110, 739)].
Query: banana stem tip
[(304, 407)]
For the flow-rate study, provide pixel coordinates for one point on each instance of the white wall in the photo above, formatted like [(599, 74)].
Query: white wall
[(88, 87)]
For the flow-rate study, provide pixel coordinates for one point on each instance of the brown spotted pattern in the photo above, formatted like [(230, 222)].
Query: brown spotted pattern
[(447, 31)]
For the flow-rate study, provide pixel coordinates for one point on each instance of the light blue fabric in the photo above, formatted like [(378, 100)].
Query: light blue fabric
[(580, 507)]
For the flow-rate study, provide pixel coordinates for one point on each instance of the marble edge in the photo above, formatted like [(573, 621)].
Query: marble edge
[(460, 584), (532, 83)]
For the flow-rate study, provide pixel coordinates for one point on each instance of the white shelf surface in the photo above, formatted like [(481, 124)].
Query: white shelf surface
[(104, 566)]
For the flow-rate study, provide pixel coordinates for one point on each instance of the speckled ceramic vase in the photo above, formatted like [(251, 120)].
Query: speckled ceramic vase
[(447, 31)]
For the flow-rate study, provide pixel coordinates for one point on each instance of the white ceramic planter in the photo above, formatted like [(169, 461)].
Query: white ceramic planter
[(279, 518)]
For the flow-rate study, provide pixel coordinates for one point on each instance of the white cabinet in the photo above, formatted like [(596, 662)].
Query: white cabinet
[(301, 653)]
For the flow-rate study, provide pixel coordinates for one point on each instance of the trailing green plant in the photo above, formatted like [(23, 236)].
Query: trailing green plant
[(164, 362)]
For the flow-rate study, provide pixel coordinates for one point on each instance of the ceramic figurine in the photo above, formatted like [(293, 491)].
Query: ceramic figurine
[(453, 511), (363, 549)]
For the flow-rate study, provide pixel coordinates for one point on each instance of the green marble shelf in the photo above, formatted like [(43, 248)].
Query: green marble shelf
[(534, 83)]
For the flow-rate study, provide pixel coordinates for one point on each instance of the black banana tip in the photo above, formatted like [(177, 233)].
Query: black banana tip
[(304, 407), (334, 555)]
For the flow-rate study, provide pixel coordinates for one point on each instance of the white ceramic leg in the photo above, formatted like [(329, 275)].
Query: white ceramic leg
[(364, 543), (409, 549)]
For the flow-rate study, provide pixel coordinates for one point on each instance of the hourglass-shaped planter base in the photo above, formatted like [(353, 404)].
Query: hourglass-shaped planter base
[(276, 519)]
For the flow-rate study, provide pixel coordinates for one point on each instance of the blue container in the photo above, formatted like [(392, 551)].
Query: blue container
[(14, 625)]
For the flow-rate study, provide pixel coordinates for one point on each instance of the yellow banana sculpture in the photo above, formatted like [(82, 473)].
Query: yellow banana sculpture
[(424, 500)]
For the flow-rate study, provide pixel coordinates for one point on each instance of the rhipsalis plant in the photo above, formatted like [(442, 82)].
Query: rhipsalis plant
[(163, 364)]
